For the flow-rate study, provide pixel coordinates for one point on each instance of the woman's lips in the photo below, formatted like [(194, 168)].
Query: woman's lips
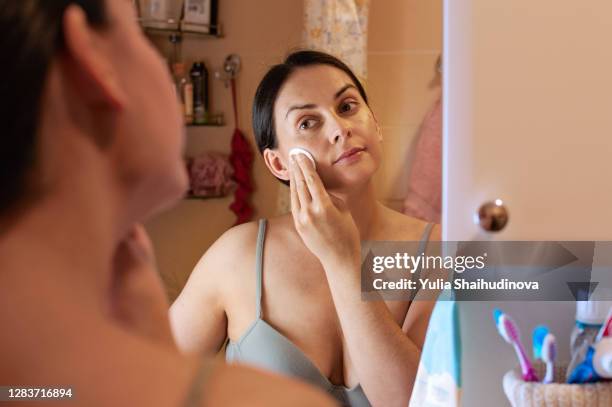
[(349, 155)]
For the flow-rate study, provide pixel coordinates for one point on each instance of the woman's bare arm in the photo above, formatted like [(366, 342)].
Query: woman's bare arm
[(385, 357), (198, 317)]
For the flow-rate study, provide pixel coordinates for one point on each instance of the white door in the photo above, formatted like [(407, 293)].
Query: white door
[(528, 120)]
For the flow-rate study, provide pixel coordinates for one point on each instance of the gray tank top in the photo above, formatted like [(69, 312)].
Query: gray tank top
[(265, 347)]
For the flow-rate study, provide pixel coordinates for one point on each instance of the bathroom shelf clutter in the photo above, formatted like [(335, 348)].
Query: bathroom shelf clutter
[(193, 91), (178, 17), (156, 27), (175, 18)]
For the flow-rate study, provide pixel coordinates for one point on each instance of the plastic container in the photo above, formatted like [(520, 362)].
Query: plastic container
[(161, 14), (556, 394), (590, 315), (184, 90)]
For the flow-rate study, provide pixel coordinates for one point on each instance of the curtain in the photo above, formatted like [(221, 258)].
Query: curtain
[(339, 27)]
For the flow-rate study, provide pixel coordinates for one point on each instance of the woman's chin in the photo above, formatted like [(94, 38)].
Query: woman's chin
[(167, 192)]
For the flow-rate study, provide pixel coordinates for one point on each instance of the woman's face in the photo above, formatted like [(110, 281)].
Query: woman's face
[(320, 109), (150, 142)]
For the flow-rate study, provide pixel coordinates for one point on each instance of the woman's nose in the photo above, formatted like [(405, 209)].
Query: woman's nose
[(341, 129)]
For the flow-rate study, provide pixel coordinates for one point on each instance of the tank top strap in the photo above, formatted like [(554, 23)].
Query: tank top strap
[(425, 237), (261, 237), (423, 245)]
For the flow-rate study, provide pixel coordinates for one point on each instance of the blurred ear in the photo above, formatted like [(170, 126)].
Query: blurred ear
[(89, 65), (275, 164)]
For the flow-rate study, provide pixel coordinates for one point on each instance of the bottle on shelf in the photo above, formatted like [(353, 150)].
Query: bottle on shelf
[(199, 77), (184, 91)]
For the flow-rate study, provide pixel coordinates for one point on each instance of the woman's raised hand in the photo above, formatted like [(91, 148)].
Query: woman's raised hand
[(323, 221), (139, 300)]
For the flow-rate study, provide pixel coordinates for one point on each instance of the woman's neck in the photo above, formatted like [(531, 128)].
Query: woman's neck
[(364, 207), (65, 239)]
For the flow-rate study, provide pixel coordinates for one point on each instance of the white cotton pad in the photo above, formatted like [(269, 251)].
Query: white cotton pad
[(298, 150)]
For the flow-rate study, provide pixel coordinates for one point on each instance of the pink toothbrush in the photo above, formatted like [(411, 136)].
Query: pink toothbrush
[(509, 331)]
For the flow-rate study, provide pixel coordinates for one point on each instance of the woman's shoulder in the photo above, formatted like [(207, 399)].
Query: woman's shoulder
[(238, 244), (231, 247), (245, 236)]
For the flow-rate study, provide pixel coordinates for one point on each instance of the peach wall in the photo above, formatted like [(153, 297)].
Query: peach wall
[(260, 32), (405, 39)]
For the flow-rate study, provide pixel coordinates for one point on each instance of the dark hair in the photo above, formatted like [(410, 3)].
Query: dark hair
[(270, 85), (31, 34)]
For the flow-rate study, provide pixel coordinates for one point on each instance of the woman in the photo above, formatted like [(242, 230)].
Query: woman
[(88, 149), (293, 305)]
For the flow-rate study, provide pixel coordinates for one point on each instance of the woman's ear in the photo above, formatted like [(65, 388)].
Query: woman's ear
[(276, 164), (90, 66)]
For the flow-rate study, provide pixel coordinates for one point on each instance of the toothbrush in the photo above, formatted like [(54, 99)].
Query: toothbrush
[(509, 331), (545, 348), (606, 328)]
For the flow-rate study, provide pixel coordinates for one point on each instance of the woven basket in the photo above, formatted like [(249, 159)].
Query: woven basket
[(557, 394)]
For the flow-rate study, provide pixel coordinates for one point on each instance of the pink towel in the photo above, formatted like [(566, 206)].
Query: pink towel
[(425, 180)]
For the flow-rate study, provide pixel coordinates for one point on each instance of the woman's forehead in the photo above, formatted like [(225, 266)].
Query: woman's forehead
[(312, 84)]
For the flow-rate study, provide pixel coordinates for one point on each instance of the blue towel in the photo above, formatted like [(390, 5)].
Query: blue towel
[(438, 381)]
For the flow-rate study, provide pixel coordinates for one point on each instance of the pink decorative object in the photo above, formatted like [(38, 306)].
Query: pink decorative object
[(424, 198), (210, 175)]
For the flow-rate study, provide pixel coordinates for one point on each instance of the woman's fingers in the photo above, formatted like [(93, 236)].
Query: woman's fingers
[(313, 181), (322, 221), (295, 201), (300, 183), (141, 243), (139, 299)]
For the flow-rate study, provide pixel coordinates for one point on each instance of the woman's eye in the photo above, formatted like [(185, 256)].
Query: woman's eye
[(307, 124), (347, 106)]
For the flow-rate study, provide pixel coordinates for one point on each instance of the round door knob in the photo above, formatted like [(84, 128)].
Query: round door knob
[(492, 216)]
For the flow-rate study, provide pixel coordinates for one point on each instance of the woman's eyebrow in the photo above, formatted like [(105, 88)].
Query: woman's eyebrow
[(344, 89), (312, 106), (306, 106)]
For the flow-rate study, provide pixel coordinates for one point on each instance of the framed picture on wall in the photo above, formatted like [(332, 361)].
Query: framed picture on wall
[(200, 16)]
